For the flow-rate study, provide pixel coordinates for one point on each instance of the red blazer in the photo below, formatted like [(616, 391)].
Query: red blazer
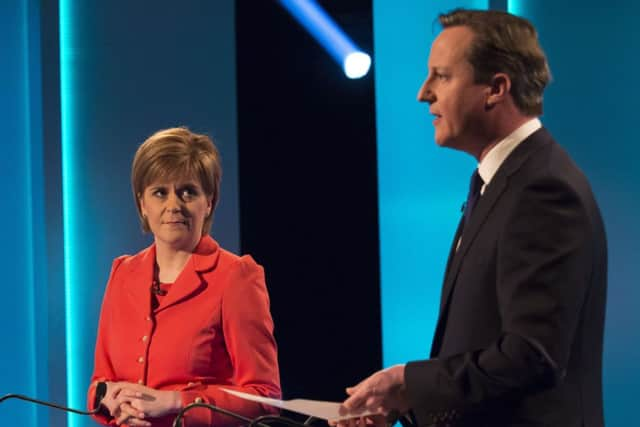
[(213, 329)]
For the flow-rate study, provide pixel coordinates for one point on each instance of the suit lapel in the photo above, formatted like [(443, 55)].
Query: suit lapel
[(190, 282), (139, 278), (481, 212), (452, 250)]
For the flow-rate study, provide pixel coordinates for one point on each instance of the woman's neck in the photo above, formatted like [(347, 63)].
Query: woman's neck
[(170, 262)]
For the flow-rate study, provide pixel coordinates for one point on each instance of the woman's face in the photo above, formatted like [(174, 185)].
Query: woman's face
[(176, 211)]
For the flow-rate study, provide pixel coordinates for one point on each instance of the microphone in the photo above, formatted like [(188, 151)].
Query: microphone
[(156, 289), (262, 421), (101, 390)]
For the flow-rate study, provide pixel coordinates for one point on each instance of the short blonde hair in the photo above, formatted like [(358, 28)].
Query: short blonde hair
[(177, 153)]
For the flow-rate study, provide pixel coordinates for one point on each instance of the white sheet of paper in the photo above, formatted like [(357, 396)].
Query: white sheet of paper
[(315, 408)]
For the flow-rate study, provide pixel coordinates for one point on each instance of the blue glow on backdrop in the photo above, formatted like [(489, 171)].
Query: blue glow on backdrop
[(72, 259), (324, 29), (421, 186), (23, 309)]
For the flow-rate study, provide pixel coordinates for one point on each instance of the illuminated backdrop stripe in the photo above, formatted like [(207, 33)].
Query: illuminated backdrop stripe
[(75, 395), (421, 187)]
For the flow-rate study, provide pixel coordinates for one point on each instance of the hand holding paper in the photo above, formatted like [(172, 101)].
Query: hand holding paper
[(383, 392), (315, 408)]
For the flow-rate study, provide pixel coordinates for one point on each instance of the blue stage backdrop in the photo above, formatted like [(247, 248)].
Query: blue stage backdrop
[(23, 308), (128, 69), (590, 108), (421, 187), (125, 70)]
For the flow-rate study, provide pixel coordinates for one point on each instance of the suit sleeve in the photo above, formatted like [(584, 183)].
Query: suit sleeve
[(544, 260), (102, 367), (248, 334)]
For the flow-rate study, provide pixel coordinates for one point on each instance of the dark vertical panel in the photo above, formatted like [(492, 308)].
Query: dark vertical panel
[(498, 5), (38, 274), (52, 175), (307, 152)]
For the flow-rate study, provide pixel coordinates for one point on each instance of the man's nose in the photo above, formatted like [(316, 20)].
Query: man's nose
[(425, 94)]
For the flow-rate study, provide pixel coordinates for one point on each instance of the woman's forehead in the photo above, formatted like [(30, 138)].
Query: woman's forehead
[(174, 177)]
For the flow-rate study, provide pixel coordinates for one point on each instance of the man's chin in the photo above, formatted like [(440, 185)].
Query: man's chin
[(443, 141), (447, 141)]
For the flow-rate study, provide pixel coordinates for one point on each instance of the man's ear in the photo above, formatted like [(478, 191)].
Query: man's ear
[(498, 89)]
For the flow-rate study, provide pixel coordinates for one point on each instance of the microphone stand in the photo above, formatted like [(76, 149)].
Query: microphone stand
[(262, 421), (101, 390), (49, 404)]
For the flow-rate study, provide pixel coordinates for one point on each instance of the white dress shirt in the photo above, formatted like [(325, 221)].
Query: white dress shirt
[(488, 167)]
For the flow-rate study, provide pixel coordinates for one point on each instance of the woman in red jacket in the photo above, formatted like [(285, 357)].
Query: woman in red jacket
[(183, 318)]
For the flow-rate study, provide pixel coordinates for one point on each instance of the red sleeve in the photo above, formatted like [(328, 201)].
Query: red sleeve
[(248, 334), (102, 368)]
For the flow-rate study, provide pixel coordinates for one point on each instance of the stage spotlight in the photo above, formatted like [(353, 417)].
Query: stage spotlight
[(356, 65), (319, 24)]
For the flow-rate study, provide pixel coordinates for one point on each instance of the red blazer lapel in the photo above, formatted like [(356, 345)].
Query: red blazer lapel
[(137, 280), (189, 282)]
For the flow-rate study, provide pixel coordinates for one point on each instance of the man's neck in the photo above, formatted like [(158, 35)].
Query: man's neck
[(503, 129)]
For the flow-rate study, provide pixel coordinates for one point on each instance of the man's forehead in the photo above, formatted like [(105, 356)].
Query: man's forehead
[(450, 46)]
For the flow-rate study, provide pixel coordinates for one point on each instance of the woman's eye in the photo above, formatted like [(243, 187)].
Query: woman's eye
[(159, 192), (189, 192)]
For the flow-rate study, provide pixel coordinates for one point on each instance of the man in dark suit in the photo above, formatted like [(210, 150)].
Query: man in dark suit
[(519, 335)]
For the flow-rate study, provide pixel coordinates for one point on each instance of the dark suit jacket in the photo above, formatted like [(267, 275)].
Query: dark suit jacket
[(519, 336)]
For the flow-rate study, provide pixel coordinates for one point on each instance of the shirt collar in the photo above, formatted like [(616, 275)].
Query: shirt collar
[(488, 167)]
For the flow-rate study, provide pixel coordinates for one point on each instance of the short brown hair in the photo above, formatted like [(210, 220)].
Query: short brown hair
[(505, 43), (172, 154)]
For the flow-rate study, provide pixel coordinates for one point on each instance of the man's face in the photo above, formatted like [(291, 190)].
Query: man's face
[(457, 103)]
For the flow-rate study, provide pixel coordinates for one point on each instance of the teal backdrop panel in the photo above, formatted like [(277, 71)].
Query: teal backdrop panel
[(421, 186), (591, 107), (128, 69), (23, 307)]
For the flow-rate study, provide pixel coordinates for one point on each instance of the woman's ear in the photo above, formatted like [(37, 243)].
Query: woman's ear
[(141, 203), (209, 206)]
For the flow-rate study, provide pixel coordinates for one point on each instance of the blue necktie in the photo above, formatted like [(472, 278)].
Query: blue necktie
[(474, 195)]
